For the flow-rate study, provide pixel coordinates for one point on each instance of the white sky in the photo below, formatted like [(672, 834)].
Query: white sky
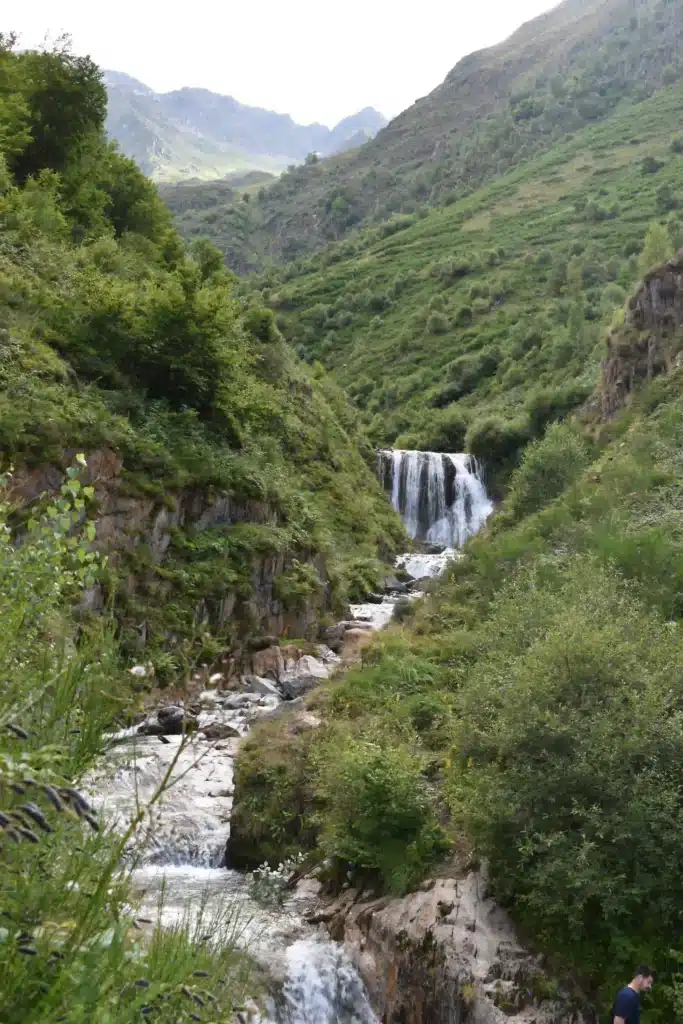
[(314, 60)]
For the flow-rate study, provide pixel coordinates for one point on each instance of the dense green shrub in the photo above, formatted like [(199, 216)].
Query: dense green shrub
[(546, 405), (568, 772), (548, 466), (437, 323), (496, 442), (464, 316), (447, 432), (379, 818)]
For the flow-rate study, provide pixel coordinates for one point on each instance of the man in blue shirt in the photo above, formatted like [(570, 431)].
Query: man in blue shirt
[(626, 1009)]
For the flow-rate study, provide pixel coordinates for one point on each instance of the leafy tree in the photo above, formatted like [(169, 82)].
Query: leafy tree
[(67, 104), (132, 203), (14, 112), (657, 248)]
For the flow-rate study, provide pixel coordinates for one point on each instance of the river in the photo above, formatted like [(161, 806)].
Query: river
[(177, 856)]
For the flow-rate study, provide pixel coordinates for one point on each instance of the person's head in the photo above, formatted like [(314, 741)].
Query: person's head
[(643, 978)]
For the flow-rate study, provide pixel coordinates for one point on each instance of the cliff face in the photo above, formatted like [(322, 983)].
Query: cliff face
[(141, 534), (650, 340), (446, 955)]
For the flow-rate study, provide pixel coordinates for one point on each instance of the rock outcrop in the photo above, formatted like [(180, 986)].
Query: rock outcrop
[(445, 955), (136, 532), (650, 340)]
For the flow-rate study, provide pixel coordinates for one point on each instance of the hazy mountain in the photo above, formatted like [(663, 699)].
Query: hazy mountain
[(195, 133), (572, 67)]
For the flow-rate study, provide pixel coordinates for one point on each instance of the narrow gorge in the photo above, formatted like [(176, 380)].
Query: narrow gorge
[(179, 856)]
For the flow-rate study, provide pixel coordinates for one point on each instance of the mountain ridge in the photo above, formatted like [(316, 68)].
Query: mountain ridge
[(571, 67), (194, 132)]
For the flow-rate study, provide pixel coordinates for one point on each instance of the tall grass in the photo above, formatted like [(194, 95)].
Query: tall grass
[(70, 947)]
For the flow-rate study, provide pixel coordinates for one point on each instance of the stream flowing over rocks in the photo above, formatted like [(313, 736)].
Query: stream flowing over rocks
[(178, 853)]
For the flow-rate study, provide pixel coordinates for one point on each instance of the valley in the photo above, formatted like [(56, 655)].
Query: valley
[(341, 543)]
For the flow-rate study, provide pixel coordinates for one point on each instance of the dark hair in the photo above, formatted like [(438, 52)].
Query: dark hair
[(643, 971)]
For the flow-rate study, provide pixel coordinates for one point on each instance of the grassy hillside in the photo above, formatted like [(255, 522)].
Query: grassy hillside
[(529, 711), (567, 69), (489, 312), (110, 335), (115, 337)]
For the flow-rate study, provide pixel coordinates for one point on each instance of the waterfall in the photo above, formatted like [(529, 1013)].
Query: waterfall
[(440, 496)]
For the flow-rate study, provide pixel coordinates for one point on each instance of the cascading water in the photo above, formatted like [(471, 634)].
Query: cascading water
[(440, 496), (177, 859), (178, 855)]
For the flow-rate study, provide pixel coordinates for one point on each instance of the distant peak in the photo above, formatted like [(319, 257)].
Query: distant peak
[(120, 80)]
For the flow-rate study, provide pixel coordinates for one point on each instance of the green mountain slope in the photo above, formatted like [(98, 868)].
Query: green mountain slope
[(195, 133), (230, 476), (569, 68), (492, 307), (530, 712)]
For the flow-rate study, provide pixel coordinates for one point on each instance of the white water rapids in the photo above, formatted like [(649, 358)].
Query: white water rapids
[(179, 877), (179, 852)]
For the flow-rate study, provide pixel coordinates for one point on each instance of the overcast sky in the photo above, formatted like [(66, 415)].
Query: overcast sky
[(314, 60)]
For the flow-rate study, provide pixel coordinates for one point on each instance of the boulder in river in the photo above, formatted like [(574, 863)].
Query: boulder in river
[(219, 731), (171, 720), (303, 676), (268, 663), (287, 707), (432, 549), (265, 687), (392, 585)]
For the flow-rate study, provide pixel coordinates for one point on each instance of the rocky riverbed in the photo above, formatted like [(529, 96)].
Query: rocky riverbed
[(444, 955)]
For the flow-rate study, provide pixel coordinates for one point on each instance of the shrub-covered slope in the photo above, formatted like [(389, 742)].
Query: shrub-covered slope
[(240, 468), (530, 713), (570, 68), (478, 323)]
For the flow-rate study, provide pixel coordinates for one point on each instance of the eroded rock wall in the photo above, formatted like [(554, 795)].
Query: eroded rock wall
[(447, 954), (650, 340), (129, 521)]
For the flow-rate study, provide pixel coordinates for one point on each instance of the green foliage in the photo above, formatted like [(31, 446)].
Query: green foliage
[(66, 103), (297, 587), (574, 758), (274, 811), (69, 948), (403, 610), (657, 247), (548, 467), (379, 819), (113, 336), (497, 442), (437, 323)]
